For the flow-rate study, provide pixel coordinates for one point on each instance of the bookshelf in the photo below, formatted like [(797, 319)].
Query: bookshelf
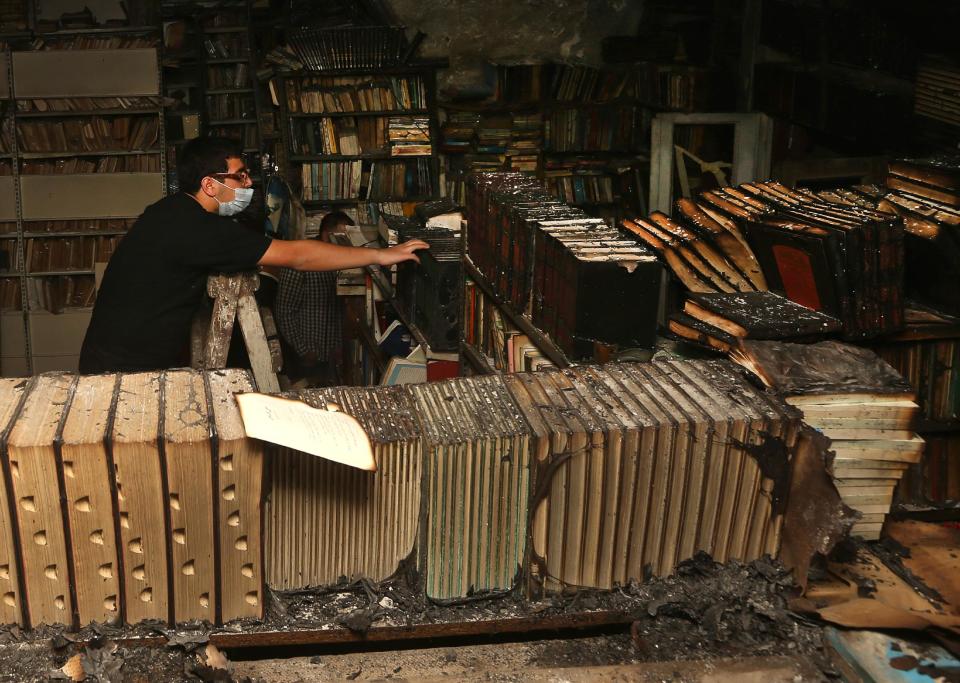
[(583, 131), (354, 137), (87, 156)]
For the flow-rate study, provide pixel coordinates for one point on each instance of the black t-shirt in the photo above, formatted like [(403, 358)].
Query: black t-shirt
[(155, 281)]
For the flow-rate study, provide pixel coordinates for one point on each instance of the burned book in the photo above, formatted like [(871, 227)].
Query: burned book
[(760, 315), (937, 178), (932, 226), (693, 330), (430, 291), (824, 369), (860, 403)]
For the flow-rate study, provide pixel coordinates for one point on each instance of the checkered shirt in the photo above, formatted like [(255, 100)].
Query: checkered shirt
[(307, 311)]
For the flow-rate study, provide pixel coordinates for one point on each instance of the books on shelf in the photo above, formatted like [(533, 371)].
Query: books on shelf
[(400, 179), (10, 294), (245, 133), (136, 163), (56, 292), (91, 225), (331, 180), (69, 253), (592, 129), (228, 76), (86, 104), (96, 134), (350, 136), (324, 95), (227, 106)]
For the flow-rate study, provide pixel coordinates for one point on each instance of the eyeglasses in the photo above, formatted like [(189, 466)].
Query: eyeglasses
[(239, 176)]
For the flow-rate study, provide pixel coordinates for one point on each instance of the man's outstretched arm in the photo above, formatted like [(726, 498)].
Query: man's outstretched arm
[(317, 255)]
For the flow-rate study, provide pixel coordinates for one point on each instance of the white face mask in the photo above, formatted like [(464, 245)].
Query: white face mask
[(241, 200)]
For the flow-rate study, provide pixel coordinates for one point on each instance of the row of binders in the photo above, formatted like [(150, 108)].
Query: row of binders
[(138, 496), (580, 280), (590, 477)]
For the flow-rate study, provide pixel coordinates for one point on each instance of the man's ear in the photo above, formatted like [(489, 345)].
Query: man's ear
[(208, 186)]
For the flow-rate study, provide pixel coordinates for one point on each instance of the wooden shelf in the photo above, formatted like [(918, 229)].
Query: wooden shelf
[(52, 273), (477, 359), (360, 200), (355, 157), (106, 31), (105, 153), (383, 284), (366, 337), (374, 112), (88, 112), (231, 122), (414, 69), (227, 60), (520, 321), (225, 29), (937, 427), (106, 233)]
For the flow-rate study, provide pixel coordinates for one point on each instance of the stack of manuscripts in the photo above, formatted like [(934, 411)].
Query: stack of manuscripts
[(571, 273), (718, 321), (857, 401)]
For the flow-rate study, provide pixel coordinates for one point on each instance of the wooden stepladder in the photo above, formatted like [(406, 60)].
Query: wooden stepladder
[(233, 299)]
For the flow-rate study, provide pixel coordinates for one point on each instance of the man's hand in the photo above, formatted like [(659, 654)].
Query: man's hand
[(401, 252)]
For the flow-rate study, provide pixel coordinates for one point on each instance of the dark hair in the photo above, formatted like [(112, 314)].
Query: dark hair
[(202, 157), (333, 219)]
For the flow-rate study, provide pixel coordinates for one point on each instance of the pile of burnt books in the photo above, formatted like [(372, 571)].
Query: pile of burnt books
[(705, 250), (844, 260), (857, 401), (580, 280), (430, 291)]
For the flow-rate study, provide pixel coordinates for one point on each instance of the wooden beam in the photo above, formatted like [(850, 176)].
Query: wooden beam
[(542, 341)]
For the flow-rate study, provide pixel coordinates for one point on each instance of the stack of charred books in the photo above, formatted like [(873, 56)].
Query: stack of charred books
[(718, 321), (845, 260), (572, 274), (926, 194), (704, 249), (592, 477), (857, 401), (430, 292)]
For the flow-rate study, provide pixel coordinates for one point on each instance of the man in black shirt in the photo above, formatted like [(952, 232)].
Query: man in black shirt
[(157, 277)]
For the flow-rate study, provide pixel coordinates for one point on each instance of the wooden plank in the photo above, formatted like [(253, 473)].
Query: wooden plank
[(141, 498), (89, 500), (36, 493), (191, 501), (225, 292), (258, 350), (526, 624)]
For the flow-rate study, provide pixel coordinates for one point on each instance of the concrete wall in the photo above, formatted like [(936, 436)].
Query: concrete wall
[(473, 32)]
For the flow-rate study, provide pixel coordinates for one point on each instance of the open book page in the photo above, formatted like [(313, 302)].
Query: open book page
[(331, 435)]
